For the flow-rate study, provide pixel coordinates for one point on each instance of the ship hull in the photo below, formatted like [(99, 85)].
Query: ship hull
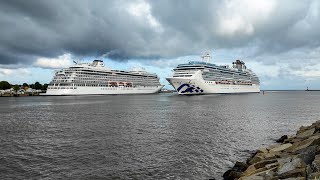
[(190, 86), (72, 91)]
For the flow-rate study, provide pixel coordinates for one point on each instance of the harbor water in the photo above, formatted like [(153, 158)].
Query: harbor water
[(159, 136)]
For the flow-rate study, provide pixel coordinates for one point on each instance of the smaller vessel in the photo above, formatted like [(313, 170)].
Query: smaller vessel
[(95, 78)]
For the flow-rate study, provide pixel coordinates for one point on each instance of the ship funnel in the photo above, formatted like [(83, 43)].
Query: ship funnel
[(206, 58), (97, 63)]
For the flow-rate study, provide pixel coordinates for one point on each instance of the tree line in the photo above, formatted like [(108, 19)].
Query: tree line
[(6, 85)]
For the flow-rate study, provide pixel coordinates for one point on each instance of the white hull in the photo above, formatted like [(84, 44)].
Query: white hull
[(197, 85), (102, 90)]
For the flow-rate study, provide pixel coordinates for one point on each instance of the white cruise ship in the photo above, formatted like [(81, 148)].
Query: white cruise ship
[(203, 77), (94, 78)]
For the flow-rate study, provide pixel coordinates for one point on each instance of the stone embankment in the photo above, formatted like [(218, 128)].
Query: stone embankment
[(293, 157)]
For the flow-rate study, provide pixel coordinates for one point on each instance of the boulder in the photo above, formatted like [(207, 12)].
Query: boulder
[(250, 170), (306, 133), (289, 164), (259, 167), (253, 170), (262, 150), (263, 163), (295, 178), (240, 166), (272, 155), (267, 174), (315, 175), (289, 139), (258, 157), (281, 147), (303, 129), (236, 171), (316, 163), (282, 139), (253, 177), (272, 165), (272, 146), (300, 172), (231, 175), (308, 154), (312, 140)]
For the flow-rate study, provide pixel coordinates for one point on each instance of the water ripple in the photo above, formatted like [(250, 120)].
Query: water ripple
[(163, 136)]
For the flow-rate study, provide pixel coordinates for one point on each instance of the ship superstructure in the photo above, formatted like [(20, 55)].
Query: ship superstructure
[(94, 78), (203, 77)]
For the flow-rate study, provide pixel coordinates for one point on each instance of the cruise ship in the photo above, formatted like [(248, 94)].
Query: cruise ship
[(203, 77), (95, 78)]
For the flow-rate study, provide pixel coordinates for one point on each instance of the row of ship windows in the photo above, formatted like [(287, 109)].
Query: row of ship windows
[(230, 83), (108, 88), (182, 75), (243, 80), (221, 71), (131, 77), (230, 75), (62, 88), (107, 73), (100, 82), (99, 85), (103, 77)]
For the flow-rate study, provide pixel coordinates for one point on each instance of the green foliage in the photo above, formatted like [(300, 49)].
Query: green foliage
[(25, 85), (44, 87), (16, 87), (5, 85), (37, 85)]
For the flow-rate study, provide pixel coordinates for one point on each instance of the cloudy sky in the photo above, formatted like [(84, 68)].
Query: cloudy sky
[(279, 40)]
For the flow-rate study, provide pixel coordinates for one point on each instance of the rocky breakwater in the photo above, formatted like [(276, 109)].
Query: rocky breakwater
[(293, 157)]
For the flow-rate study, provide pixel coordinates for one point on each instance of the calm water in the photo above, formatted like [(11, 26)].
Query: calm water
[(163, 136)]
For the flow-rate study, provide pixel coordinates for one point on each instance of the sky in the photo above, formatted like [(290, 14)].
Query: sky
[(278, 40)]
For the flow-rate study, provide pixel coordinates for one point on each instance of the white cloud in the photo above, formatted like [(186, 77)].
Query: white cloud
[(142, 11), (241, 16), (62, 61), (308, 72), (15, 72)]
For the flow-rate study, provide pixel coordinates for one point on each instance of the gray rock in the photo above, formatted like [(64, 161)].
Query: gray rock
[(312, 140), (316, 163), (295, 178), (300, 172), (315, 175), (308, 154), (290, 164), (282, 139), (306, 133), (281, 147)]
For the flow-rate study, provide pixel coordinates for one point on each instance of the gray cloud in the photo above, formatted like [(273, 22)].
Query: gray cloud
[(153, 29)]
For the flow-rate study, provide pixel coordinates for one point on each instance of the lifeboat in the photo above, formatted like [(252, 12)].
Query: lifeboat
[(113, 83)]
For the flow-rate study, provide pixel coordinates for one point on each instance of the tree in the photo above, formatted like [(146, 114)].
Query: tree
[(44, 87), (37, 85), (5, 85), (31, 86), (16, 88), (25, 85)]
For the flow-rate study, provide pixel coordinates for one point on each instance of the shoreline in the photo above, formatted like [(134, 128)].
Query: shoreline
[(296, 156), (19, 95)]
